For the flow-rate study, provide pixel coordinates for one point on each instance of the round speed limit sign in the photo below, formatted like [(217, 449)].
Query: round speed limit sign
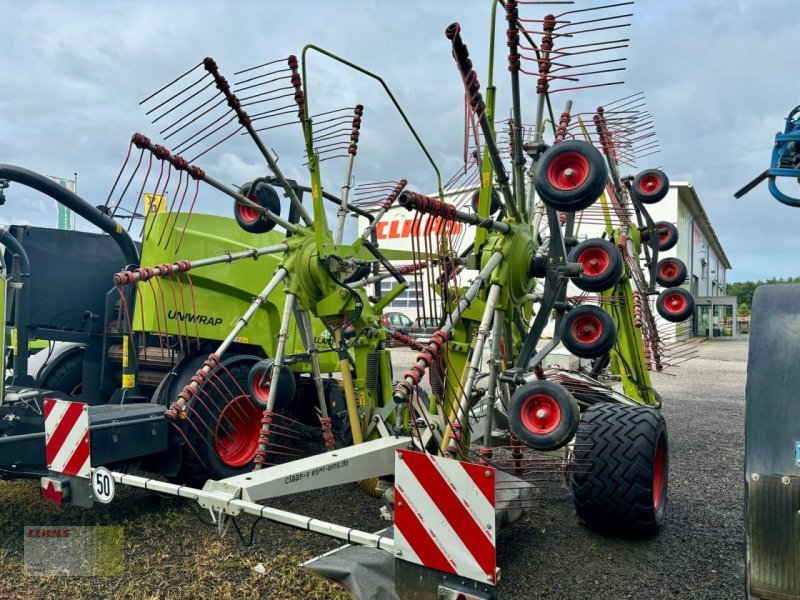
[(102, 485)]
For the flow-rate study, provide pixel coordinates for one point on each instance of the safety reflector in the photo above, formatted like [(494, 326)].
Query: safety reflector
[(53, 489), (444, 515), (66, 428)]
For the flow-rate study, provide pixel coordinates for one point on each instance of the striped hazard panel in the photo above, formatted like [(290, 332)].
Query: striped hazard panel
[(66, 428), (444, 515)]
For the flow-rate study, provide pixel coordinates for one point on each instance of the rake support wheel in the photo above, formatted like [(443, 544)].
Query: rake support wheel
[(571, 175), (249, 218), (259, 381), (543, 415), (602, 265), (671, 272), (667, 235), (622, 466), (650, 186), (588, 331), (675, 304)]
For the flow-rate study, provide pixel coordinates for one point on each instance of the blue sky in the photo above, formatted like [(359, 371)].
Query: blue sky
[(717, 75)]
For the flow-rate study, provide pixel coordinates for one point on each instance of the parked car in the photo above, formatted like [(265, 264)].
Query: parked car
[(397, 321), (423, 328)]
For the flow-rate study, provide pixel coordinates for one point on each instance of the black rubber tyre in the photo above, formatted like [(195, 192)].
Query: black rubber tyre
[(602, 265), (675, 304), (619, 484), (667, 235), (66, 375), (212, 459), (671, 272), (258, 386), (493, 208), (250, 219), (571, 175), (543, 415), (588, 331), (650, 186)]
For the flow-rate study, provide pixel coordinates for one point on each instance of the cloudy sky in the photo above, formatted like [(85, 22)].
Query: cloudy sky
[(718, 76)]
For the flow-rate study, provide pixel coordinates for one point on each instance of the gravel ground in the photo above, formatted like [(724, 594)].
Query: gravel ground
[(699, 553)]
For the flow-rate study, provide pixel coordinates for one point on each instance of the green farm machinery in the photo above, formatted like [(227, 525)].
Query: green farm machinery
[(223, 332)]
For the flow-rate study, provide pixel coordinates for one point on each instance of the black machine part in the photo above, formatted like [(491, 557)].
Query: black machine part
[(772, 445), (21, 273), (77, 204)]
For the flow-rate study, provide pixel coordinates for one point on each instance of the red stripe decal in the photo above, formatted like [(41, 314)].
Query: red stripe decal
[(62, 430), (451, 506), (78, 458), (478, 475), (49, 403), (418, 537)]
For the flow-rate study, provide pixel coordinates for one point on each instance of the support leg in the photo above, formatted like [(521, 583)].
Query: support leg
[(266, 420)]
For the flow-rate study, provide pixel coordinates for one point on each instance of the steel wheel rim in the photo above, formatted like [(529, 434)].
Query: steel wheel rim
[(674, 303), (595, 261), (248, 213), (668, 270), (568, 171), (649, 183), (586, 329), (236, 432), (540, 414)]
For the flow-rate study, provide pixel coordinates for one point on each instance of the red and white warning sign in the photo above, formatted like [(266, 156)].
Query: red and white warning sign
[(444, 515), (66, 430)]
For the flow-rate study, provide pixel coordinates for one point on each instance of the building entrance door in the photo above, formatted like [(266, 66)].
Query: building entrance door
[(715, 317)]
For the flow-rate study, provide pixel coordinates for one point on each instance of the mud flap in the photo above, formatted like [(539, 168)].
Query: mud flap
[(772, 445)]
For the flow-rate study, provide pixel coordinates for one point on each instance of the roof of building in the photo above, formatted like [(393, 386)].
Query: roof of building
[(688, 194)]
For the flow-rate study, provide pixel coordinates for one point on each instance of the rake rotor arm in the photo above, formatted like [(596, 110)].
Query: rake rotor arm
[(428, 205), (179, 406), (181, 266), (461, 55), (244, 119), (368, 231), (195, 172)]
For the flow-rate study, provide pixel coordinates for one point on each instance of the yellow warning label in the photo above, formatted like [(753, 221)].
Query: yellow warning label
[(154, 203), (362, 398), (119, 228), (243, 340), (129, 381), (485, 179), (14, 340), (125, 351), (315, 191)]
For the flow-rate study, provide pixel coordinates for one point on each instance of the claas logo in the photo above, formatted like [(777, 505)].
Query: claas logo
[(404, 228)]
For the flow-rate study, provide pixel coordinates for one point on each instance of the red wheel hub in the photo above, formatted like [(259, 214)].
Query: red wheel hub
[(568, 171), (663, 234), (674, 303), (649, 183), (587, 329), (595, 261), (260, 387), (540, 414), (658, 475), (668, 270), (247, 213), (236, 432)]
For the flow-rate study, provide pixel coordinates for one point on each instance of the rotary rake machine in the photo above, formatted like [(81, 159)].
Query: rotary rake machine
[(468, 452)]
